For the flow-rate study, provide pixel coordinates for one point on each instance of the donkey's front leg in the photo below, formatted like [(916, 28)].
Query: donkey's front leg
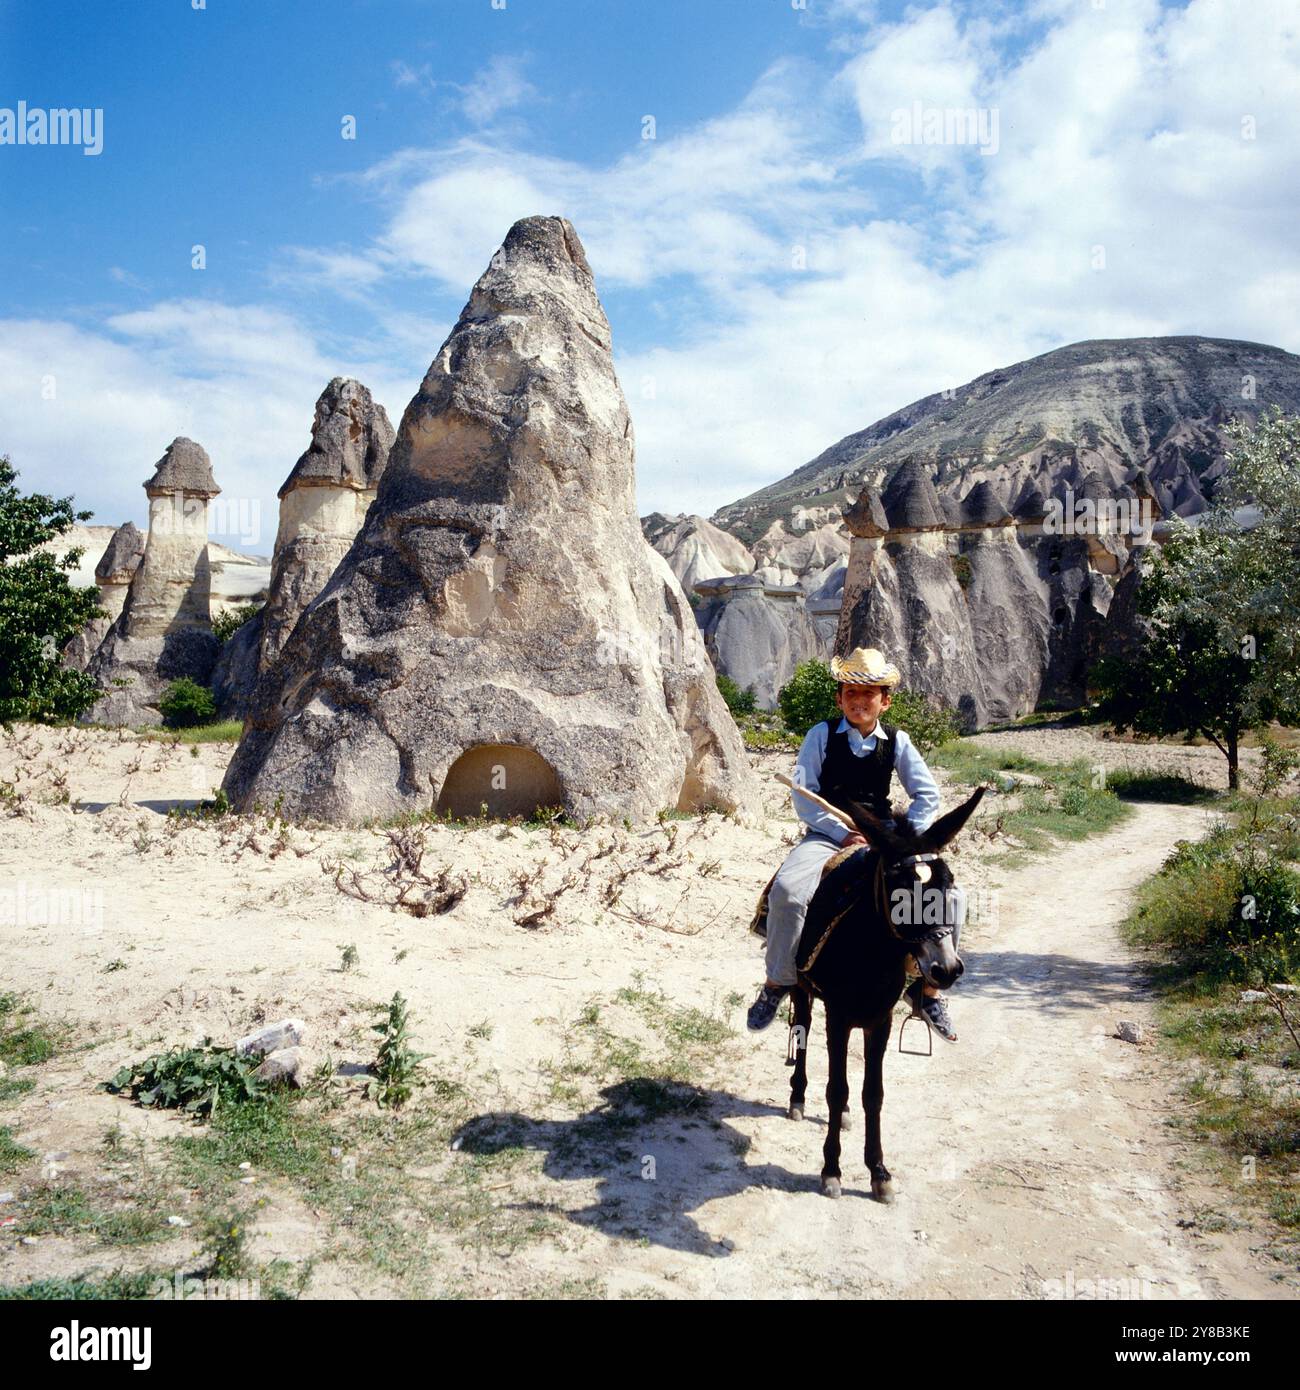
[(801, 1000), (875, 1041), (837, 1097)]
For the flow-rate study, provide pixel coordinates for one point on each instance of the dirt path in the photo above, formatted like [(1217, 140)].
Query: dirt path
[(1032, 1150)]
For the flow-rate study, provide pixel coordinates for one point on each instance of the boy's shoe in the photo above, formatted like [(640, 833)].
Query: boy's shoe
[(934, 1011), (763, 1010)]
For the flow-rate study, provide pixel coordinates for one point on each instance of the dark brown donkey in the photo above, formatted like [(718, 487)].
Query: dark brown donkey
[(868, 915)]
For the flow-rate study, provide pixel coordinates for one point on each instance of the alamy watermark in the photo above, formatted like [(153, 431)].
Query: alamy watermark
[(176, 513), (58, 125), (31, 905), (1087, 516), (919, 124)]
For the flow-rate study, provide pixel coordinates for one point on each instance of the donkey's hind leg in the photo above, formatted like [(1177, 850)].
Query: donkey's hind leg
[(875, 1041), (801, 1001), (837, 1097)]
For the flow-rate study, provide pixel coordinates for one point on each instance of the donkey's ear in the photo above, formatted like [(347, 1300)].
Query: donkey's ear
[(877, 834), (946, 828)]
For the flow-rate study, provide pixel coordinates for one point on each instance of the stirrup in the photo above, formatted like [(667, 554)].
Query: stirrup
[(929, 1037)]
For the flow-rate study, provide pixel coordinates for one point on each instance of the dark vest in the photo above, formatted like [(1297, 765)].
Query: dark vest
[(845, 777)]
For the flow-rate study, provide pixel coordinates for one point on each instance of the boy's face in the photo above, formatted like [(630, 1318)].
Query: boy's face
[(862, 705)]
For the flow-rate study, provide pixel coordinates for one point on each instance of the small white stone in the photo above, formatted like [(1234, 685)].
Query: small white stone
[(1129, 1032), (244, 1167), (177, 1221), (287, 1033)]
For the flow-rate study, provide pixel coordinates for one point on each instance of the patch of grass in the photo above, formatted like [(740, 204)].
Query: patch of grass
[(13, 1086), (1073, 813), (12, 1154), (116, 1285), (25, 1039), (221, 731), (1241, 1055), (1069, 806), (281, 1136), (765, 729), (111, 1216), (973, 764)]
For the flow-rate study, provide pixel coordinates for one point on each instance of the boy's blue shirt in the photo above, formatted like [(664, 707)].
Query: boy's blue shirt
[(918, 782)]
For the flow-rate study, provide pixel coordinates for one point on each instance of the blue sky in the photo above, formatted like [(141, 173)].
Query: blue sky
[(780, 264)]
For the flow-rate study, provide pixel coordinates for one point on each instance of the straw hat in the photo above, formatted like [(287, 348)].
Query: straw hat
[(865, 666)]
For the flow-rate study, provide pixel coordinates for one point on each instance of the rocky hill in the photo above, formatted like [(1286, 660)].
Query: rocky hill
[(1106, 407), (944, 559)]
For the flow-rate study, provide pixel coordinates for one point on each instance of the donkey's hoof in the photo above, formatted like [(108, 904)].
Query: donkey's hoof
[(882, 1190), (830, 1187), (795, 1112)]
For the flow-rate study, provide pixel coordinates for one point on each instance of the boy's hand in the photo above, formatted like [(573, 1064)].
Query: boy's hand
[(853, 839)]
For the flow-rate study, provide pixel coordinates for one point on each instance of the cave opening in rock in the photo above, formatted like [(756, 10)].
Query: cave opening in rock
[(510, 779)]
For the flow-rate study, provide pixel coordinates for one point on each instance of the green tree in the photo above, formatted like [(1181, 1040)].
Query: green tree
[(40, 611), (1218, 652), (927, 724), (808, 697)]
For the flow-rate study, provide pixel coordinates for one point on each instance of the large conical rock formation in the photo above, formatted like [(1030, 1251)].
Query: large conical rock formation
[(113, 575), (500, 632), (164, 630)]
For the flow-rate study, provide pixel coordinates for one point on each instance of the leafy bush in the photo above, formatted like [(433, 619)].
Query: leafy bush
[(1227, 908), (961, 570), (808, 697), (738, 701), (225, 625), (927, 724), (193, 1079), (186, 703)]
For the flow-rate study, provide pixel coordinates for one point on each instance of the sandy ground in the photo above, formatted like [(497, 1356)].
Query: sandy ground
[(1034, 1150)]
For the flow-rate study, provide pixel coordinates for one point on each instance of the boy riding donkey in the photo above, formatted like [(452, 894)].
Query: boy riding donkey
[(849, 760)]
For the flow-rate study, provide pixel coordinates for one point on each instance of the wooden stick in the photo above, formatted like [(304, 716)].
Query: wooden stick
[(842, 816)]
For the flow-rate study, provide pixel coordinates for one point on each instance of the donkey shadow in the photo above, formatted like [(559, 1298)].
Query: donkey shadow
[(658, 1152)]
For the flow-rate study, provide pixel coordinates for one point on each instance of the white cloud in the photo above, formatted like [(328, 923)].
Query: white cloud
[(91, 411), (1120, 128), (501, 86)]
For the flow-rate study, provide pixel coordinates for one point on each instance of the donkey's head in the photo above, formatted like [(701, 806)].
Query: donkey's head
[(913, 884)]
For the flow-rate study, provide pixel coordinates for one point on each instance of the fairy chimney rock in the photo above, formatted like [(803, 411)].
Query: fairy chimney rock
[(113, 574), (500, 632), (117, 567), (164, 628), (172, 587), (323, 503), (911, 501), (866, 517), (983, 510)]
